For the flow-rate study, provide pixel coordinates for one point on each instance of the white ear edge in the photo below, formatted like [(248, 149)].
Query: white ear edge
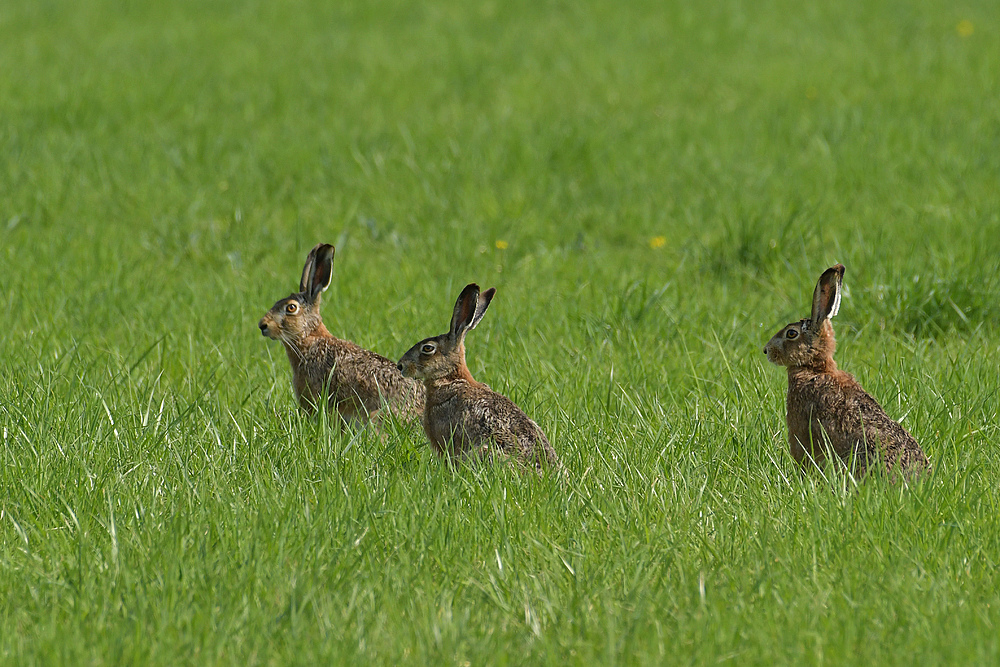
[(330, 282), (482, 303), (835, 308)]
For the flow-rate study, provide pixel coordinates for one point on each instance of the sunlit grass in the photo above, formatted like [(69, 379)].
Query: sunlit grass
[(654, 191)]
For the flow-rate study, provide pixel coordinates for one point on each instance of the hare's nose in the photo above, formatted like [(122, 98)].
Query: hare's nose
[(263, 327)]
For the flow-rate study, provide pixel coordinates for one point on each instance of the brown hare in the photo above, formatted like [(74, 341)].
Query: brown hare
[(358, 383), (827, 408), (463, 418)]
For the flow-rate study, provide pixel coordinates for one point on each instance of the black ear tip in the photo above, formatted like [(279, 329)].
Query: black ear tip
[(835, 271)]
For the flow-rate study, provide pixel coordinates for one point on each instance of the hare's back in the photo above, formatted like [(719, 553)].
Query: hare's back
[(898, 447), (857, 425), (514, 431), (367, 374)]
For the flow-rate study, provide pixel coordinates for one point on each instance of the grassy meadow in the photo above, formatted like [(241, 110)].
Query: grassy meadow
[(653, 187)]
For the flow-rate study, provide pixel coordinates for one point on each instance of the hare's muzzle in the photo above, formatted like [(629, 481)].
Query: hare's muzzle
[(406, 367), (263, 327)]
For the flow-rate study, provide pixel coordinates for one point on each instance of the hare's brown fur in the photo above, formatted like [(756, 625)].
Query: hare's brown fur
[(827, 409), (358, 383), (464, 418)]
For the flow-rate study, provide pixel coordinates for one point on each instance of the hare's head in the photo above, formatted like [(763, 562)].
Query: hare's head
[(810, 342), (444, 355), (297, 315)]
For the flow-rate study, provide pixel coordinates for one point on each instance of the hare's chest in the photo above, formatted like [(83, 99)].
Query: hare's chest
[(444, 423), (303, 390), (816, 417), (439, 424), (311, 382)]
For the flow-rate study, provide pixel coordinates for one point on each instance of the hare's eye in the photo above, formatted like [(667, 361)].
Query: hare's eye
[(791, 334), (428, 348), (291, 308)]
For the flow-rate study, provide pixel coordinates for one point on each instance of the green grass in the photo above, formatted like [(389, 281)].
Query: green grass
[(165, 167)]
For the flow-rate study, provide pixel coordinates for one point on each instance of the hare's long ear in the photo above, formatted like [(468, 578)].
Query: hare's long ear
[(826, 298), (465, 311), (482, 303), (308, 269), (319, 268)]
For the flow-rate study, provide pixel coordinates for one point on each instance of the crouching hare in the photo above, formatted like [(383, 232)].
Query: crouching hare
[(828, 411), (464, 418), (357, 383)]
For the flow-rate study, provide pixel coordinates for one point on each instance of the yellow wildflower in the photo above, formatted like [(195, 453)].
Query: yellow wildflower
[(502, 245), (657, 242), (965, 28)]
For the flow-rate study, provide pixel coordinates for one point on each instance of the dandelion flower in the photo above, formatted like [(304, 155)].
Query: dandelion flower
[(657, 242), (965, 28), (502, 245)]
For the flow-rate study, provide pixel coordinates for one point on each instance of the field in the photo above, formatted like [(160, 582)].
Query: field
[(653, 187)]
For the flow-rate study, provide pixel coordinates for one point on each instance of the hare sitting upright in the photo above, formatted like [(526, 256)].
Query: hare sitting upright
[(358, 383), (827, 408), (464, 418)]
